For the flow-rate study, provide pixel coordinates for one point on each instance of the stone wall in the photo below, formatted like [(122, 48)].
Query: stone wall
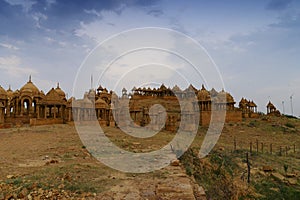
[(231, 116), (38, 122), (234, 116), (205, 117)]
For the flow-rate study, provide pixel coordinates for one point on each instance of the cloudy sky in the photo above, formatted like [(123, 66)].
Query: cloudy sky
[(255, 44)]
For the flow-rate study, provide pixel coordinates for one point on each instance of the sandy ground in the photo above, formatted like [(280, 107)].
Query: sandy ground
[(52, 159)]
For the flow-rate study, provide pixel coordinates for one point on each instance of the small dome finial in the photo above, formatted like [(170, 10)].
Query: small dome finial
[(203, 88), (57, 85), (29, 79)]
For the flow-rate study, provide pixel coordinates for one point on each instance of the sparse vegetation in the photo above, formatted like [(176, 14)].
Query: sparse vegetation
[(290, 125), (223, 173)]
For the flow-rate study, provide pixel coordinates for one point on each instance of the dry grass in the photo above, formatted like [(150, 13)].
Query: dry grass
[(27, 153)]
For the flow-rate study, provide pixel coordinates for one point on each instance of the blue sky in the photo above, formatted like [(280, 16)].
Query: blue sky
[(255, 44)]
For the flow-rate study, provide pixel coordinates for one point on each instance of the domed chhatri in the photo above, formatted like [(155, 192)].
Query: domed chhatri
[(30, 105), (60, 91), (29, 88), (3, 93)]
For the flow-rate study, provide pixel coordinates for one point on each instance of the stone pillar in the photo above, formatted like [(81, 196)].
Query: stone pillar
[(63, 112), (1, 115), (8, 110), (70, 114), (38, 111), (50, 111), (22, 108), (45, 112), (78, 114), (54, 112)]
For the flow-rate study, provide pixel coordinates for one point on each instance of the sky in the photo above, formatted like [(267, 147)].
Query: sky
[(254, 44)]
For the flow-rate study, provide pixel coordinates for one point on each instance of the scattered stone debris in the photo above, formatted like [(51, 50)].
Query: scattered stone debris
[(10, 176), (175, 162), (277, 176), (8, 191), (53, 161), (267, 168)]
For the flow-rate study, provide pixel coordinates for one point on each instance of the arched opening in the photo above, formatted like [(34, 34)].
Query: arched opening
[(34, 106), (26, 106)]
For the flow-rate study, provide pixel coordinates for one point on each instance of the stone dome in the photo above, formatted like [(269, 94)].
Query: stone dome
[(271, 105), (188, 108), (229, 98), (17, 92), (10, 93), (3, 93), (203, 94), (252, 104), (225, 97), (100, 103), (86, 103), (176, 89), (30, 88), (60, 91)]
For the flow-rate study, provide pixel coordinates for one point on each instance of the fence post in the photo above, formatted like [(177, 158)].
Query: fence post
[(262, 147), (234, 143), (280, 153), (251, 147), (271, 148), (248, 167), (294, 148)]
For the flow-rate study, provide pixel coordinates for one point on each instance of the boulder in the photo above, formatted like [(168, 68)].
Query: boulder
[(175, 162), (267, 168), (277, 176)]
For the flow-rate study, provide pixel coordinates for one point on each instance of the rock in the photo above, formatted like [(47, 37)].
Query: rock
[(29, 197), (292, 181), (277, 176), (181, 189), (46, 157), (290, 175), (40, 191), (275, 189), (10, 176), (132, 195), (23, 193), (175, 162), (267, 168), (53, 161), (201, 190)]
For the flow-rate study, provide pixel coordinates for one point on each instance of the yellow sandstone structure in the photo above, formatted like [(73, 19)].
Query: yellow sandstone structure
[(31, 106)]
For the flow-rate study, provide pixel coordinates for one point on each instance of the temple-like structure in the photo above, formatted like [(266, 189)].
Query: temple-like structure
[(249, 108), (31, 106), (271, 109)]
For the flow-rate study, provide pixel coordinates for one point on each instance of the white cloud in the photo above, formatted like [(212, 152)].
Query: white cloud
[(26, 4), (113, 23), (9, 46), (11, 66), (38, 17), (93, 12)]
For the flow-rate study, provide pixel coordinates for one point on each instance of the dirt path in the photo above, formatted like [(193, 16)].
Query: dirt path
[(51, 162)]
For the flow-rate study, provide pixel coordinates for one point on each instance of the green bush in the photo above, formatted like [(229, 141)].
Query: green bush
[(290, 125)]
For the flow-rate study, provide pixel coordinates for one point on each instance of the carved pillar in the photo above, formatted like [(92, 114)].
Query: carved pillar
[(45, 112), (54, 112), (38, 111), (22, 108)]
